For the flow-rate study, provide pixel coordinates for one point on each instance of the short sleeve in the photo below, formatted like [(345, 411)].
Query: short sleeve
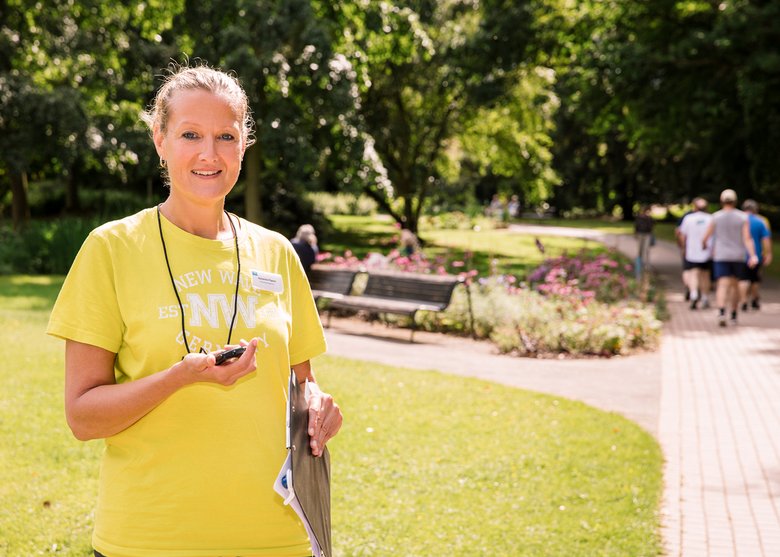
[(86, 309), (307, 338)]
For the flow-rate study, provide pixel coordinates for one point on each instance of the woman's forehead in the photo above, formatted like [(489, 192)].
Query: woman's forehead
[(199, 104)]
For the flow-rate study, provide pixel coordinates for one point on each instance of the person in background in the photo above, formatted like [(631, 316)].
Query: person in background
[(697, 264), (513, 207), (681, 244), (643, 230), (305, 244), (192, 448), (732, 245), (496, 208), (762, 243), (409, 242)]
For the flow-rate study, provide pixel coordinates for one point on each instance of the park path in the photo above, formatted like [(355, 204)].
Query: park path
[(718, 420), (710, 395)]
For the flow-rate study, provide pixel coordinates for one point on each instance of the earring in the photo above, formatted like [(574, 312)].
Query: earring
[(162, 162)]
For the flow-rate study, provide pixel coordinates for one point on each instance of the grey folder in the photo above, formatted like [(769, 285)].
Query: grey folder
[(304, 480)]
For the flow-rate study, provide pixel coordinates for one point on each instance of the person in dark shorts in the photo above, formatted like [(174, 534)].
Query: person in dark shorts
[(732, 245), (681, 244), (697, 262), (762, 243)]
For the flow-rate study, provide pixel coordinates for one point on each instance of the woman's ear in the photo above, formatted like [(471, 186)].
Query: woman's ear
[(158, 137)]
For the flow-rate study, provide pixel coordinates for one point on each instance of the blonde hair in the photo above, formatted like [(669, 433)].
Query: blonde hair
[(183, 77)]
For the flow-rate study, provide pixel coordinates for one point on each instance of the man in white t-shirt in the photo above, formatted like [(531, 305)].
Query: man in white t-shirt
[(697, 263)]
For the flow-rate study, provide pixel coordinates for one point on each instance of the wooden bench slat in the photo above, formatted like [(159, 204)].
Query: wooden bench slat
[(400, 293), (331, 282)]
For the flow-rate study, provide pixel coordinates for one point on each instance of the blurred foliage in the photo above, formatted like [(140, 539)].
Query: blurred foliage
[(591, 107)]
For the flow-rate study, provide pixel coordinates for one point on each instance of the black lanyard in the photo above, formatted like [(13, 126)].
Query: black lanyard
[(176, 292)]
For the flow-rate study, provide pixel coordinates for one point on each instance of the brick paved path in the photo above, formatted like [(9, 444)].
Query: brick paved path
[(720, 431), (719, 418)]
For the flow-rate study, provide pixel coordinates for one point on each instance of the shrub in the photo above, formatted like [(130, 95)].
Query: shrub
[(453, 220), (604, 276), (528, 323), (343, 204), (43, 247), (554, 316)]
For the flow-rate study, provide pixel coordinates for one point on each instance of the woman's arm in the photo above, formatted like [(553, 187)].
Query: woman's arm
[(325, 416), (97, 407)]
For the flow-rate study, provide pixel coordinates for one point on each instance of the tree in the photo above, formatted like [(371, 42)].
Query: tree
[(511, 140), (72, 78), (301, 91), (672, 99), (424, 68)]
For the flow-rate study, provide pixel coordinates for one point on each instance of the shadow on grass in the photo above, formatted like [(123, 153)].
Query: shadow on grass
[(29, 292)]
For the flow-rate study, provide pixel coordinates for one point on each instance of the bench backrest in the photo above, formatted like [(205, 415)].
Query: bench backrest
[(326, 279), (431, 289)]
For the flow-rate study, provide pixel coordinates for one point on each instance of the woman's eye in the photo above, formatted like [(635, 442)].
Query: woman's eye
[(189, 135), (227, 137)]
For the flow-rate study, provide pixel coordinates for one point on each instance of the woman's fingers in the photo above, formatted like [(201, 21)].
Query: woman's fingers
[(325, 420), (205, 368)]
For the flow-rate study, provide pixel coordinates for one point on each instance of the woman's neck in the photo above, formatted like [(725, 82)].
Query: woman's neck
[(204, 221)]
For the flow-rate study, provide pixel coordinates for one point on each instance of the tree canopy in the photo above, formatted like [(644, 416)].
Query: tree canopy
[(587, 105)]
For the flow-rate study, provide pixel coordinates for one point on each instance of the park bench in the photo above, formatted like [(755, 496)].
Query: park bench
[(330, 283), (400, 293)]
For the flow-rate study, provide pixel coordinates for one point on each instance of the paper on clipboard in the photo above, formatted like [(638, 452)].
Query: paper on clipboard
[(304, 480)]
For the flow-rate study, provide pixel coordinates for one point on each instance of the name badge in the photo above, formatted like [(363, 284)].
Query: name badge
[(270, 282)]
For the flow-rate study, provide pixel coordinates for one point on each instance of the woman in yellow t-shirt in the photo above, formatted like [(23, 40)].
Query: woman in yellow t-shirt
[(192, 447)]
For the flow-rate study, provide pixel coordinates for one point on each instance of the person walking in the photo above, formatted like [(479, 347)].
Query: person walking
[(151, 303), (762, 243), (732, 246), (643, 230), (697, 262), (681, 244)]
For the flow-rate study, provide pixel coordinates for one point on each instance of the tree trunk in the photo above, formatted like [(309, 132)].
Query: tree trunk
[(410, 220), (72, 192), (252, 202), (626, 202), (20, 208)]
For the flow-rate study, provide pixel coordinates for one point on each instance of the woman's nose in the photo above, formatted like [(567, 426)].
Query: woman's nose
[(209, 150)]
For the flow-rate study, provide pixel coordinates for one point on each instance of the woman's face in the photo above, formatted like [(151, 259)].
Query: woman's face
[(202, 146)]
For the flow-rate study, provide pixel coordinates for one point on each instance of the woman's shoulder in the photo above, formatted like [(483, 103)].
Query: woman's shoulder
[(127, 227), (257, 232)]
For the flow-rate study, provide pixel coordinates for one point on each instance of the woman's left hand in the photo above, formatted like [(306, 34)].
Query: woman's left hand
[(324, 418)]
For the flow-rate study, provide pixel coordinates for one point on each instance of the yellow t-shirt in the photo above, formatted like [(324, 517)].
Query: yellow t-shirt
[(194, 477)]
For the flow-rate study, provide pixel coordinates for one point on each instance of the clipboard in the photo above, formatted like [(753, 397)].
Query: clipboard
[(304, 480)]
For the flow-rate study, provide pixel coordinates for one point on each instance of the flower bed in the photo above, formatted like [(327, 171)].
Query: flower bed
[(579, 305)]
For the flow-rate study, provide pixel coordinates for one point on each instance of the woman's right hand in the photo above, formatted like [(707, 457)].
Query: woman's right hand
[(97, 407), (202, 367)]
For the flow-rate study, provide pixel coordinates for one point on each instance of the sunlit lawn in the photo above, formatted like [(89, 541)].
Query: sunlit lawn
[(485, 249), (507, 252), (426, 464)]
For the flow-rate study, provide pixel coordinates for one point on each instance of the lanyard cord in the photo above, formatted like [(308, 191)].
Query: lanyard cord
[(176, 292)]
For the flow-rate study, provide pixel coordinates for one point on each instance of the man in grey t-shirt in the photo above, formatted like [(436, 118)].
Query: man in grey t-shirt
[(730, 232)]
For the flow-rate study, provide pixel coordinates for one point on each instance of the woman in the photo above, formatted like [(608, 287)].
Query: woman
[(192, 448)]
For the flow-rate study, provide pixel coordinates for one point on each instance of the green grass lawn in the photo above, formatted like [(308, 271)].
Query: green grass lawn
[(426, 464), (486, 249)]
